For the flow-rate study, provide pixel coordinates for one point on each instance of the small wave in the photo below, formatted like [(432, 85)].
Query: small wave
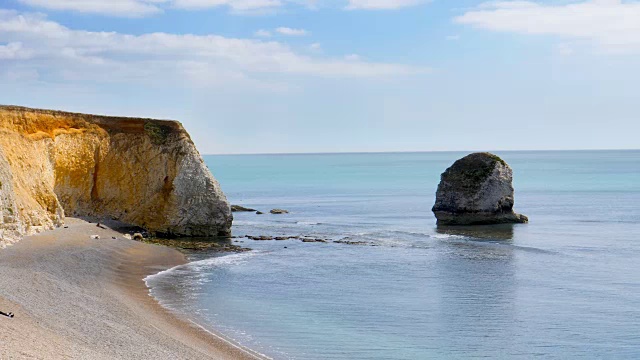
[(400, 239), (196, 266), (445, 236), (613, 221), (534, 249), (225, 260), (501, 245), (311, 223), (385, 234), (237, 223)]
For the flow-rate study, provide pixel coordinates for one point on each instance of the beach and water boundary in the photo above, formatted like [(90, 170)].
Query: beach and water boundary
[(83, 298)]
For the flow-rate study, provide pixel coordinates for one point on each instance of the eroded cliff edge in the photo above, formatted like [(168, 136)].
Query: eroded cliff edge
[(140, 171)]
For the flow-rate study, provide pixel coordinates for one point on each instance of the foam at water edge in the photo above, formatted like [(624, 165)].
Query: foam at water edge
[(197, 266), (231, 259)]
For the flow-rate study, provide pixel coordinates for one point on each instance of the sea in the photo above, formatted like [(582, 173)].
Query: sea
[(564, 286)]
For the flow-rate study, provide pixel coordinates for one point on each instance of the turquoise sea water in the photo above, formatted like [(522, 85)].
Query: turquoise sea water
[(565, 286)]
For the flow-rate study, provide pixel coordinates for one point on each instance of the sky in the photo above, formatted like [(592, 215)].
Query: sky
[(297, 76)]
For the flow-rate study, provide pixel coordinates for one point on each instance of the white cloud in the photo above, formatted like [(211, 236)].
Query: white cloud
[(262, 33), (453, 37), (238, 5), (59, 53), (315, 47), (613, 25), (14, 51), (291, 32), (125, 8), (381, 4), (142, 8)]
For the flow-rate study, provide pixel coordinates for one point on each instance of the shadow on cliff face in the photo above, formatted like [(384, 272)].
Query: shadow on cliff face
[(501, 232)]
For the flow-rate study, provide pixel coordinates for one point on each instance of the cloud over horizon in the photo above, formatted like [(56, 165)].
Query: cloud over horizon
[(144, 8), (381, 4), (57, 52), (291, 32), (612, 25)]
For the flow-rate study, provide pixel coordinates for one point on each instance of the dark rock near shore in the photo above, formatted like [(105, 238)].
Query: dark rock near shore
[(305, 239), (477, 190), (261, 238), (279, 211), (197, 244), (308, 240), (348, 242), (238, 208)]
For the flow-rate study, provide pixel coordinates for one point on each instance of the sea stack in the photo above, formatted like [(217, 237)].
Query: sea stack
[(140, 171), (477, 190)]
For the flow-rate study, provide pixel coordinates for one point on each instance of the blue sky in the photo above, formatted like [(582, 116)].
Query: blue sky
[(260, 76)]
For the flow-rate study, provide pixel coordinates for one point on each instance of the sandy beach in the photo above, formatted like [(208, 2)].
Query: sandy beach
[(75, 297)]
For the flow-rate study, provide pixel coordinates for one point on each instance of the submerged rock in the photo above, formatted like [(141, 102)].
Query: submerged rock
[(260, 238), (477, 190), (279, 211), (311, 240)]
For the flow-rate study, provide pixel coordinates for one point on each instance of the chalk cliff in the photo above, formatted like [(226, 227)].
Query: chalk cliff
[(140, 171), (477, 190)]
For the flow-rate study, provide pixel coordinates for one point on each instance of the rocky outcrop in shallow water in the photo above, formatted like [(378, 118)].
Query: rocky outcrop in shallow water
[(238, 208), (140, 171), (279, 211), (477, 190)]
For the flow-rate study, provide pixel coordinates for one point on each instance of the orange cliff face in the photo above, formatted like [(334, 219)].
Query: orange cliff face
[(140, 171)]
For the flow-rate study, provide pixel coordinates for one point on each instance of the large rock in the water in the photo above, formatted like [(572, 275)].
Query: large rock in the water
[(476, 190), (140, 171)]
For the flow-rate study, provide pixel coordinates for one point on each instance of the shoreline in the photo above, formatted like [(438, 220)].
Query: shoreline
[(80, 298)]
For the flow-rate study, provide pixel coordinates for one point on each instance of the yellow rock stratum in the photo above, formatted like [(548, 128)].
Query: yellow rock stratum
[(140, 171)]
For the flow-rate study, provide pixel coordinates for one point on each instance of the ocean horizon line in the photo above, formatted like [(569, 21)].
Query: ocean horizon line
[(416, 152)]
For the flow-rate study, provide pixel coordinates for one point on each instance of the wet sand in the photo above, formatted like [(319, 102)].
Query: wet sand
[(75, 297)]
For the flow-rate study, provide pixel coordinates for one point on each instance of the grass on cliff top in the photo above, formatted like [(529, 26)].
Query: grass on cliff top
[(470, 172), (156, 132)]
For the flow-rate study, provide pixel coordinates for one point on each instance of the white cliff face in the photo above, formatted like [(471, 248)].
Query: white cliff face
[(193, 188), (495, 193), (476, 190), (140, 171), (11, 229)]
